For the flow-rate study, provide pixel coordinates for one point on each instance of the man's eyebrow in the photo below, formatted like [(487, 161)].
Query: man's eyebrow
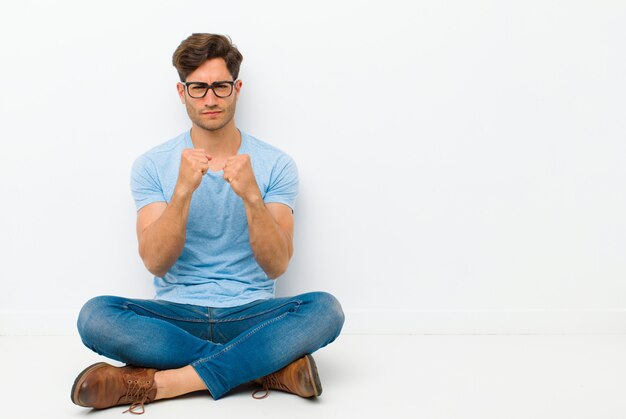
[(215, 82)]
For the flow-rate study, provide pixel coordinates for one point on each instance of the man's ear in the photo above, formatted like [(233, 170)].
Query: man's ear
[(238, 85), (180, 88)]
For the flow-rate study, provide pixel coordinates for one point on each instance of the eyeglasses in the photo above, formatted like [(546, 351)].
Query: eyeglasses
[(198, 90)]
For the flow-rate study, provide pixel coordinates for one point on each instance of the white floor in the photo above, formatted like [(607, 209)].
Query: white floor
[(377, 376)]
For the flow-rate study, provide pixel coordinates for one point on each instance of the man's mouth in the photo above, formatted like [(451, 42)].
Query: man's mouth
[(211, 113)]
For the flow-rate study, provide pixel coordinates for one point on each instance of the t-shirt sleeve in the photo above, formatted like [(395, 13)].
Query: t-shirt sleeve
[(283, 185), (144, 183)]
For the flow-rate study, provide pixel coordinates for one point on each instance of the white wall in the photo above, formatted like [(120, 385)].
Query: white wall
[(461, 162)]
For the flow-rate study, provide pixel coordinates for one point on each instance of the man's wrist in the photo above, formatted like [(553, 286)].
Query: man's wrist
[(182, 193), (253, 199)]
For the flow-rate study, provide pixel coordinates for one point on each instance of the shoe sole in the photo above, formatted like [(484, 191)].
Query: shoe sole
[(79, 381), (317, 384)]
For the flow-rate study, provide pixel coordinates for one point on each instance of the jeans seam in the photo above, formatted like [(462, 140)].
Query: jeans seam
[(184, 319), (236, 319)]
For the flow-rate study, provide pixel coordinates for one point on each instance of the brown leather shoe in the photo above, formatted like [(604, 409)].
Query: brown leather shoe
[(300, 377), (102, 385)]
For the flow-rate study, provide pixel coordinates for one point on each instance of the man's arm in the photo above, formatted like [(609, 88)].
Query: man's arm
[(271, 235), (161, 233), (161, 227), (270, 225)]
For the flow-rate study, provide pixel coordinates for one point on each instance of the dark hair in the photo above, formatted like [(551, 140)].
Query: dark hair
[(199, 47)]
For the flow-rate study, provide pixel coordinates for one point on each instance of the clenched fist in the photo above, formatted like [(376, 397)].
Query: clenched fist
[(238, 172), (194, 163)]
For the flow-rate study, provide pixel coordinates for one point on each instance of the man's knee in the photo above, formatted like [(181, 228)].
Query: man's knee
[(93, 316), (329, 313)]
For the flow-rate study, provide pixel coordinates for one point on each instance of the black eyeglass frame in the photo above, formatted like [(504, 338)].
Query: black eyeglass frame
[(208, 87)]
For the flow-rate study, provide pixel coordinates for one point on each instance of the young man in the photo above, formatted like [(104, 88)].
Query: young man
[(215, 226)]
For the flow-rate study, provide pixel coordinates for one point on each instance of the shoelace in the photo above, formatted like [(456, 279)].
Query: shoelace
[(137, 395), (269, 381)]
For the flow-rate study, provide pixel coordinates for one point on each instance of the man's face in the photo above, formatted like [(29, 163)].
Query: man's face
[(210, 113)]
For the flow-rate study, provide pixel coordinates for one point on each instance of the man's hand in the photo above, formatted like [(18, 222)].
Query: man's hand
[(238, 172), (194, 163)]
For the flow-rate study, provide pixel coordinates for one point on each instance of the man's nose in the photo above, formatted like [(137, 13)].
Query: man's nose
[(210, 99)]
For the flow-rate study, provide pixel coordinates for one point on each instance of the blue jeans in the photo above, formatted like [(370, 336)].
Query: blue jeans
[(226, 346)]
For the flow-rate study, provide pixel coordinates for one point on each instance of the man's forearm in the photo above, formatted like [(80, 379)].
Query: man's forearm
[(162, 242), (271, 245), (270, 242)]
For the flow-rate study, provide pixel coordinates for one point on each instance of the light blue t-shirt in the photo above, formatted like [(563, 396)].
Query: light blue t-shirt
[(217, 267)]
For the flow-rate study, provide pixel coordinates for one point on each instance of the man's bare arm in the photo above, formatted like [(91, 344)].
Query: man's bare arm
[(270, 225), (271, 235), (161, 227), (161, 233)]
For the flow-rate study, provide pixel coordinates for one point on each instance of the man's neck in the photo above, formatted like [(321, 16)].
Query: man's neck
[(221, 143)]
